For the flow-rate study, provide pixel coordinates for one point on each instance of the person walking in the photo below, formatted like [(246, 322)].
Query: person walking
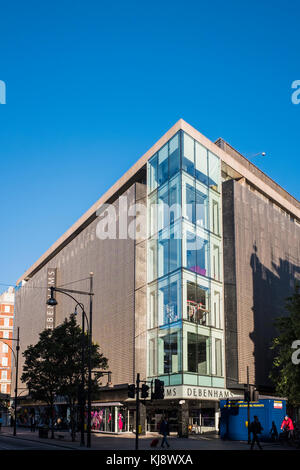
[(256, 428), (274, 432), (164, 431)]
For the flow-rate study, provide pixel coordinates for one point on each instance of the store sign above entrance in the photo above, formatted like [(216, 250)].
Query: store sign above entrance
[(202, 393)]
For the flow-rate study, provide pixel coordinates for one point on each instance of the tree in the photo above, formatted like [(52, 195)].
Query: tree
[(53, 367), (286, 371)]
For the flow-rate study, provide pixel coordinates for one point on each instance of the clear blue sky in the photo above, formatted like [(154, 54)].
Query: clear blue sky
[(92, 85)]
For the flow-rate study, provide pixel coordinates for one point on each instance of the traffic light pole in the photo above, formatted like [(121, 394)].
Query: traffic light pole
[(137, 411)]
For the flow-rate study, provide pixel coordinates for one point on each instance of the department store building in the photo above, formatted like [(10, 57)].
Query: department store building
[(191, 295)]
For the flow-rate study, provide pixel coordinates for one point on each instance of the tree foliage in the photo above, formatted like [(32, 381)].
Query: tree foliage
[(53, 366), (286, 372)]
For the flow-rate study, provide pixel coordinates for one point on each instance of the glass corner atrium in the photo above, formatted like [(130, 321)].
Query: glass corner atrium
[(184, 259)]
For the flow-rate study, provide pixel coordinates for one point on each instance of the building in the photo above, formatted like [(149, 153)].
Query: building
[(6, 331), (193, 252)]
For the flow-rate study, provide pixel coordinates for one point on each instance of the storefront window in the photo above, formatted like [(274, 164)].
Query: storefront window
[(109, 418)]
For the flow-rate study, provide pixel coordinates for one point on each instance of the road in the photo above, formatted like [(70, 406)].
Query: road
[(10, 443)]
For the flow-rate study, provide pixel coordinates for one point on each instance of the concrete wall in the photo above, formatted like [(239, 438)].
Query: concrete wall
[(113, 265), (261, 263)]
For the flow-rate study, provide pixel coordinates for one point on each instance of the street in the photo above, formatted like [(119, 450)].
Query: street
[(25, 440)]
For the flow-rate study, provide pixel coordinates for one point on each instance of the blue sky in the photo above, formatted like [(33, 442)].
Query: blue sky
[(92, 85)]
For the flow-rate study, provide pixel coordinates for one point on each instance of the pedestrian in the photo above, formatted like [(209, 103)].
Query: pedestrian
[(256, 428), (287, 427), (32, 423), (274, 432), (164, 431)]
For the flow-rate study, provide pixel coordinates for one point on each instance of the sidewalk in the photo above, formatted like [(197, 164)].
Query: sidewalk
[(126, 441)]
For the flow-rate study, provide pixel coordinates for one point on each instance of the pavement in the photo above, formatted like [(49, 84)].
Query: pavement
[(26, 440)]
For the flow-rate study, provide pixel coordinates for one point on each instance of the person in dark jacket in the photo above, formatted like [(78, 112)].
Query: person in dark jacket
[(164, 431), (256, 428)]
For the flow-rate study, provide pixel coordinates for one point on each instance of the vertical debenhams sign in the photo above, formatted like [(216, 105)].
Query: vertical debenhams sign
[(50, 310)]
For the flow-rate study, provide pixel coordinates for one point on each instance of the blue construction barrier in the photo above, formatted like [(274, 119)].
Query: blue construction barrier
[(234, 417)]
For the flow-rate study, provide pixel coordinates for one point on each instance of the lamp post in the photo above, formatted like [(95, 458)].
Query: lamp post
[(16, 357), (52, 302)]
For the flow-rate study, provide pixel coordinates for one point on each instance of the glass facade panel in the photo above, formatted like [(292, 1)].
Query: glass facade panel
[(201, 163), (198, 353), (169, 355), (163, 171), (214, 172), (185, 264), (152, 174), (188, 157), (174, 156)]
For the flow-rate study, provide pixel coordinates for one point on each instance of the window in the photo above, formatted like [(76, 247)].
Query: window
[(7, 309), (163, 254), (163, 207), (4, 375), (196, 254), (168, 352), (152, 260), (198, 353), (4, 348), (214, 171), (201, 209), (174, 156), (3, 388), (6, 321), (215, 262), (152, 299), (163, 165), (188, 160), (218, 357), (169, 300), (196, 299), (4, 334), (216, 310), (215, 217), (174, 200), (175, 248), (4, 361), (152, 358), (201, 163), (152, 174)]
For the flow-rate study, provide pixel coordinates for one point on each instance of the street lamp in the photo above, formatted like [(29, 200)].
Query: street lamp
[(16, 357), (52, 302)]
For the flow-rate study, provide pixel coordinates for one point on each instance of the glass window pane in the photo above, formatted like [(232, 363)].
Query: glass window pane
[(152, 260), (190, 200), (163, 302), (201, 163), (152, 173), (174, 156), (163, 165), (215, 217), (163, 207), (198, 353), (201, 209), (152, 354), (163, 253), (215, 268), (152, 306), (174, 199), (218, 357), (188, 160), (174, 309), (214, 171), (196, 254), (168, 353), (175, 248)]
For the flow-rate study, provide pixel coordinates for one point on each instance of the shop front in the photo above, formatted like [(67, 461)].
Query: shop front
[(109, 417)]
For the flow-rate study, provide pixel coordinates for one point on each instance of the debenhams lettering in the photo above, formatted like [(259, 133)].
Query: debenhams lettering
[(197, 392)]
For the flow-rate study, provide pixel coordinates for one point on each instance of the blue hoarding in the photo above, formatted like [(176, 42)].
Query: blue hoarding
[(234, 417)]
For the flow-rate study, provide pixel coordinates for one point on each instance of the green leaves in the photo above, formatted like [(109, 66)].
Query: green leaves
[(53, 367), (285, 374)]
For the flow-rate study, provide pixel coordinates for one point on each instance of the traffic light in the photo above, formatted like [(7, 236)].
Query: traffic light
[(159, 392), (247, 396), (252, 394), (131, 391), (145, 393)]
